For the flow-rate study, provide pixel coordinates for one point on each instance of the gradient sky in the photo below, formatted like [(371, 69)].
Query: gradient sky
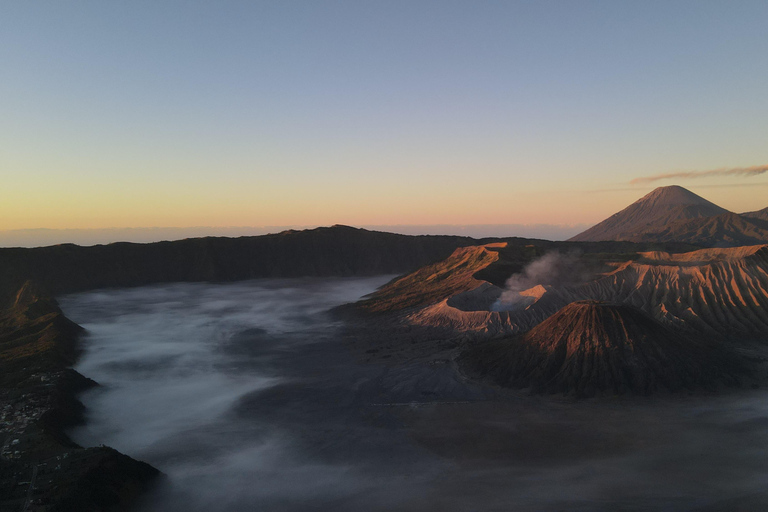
[(163, 113)]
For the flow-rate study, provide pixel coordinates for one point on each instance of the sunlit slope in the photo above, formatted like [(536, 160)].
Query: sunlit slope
[(591, 346), (434, 282), (713, 291), (721, 292), (38, 344)]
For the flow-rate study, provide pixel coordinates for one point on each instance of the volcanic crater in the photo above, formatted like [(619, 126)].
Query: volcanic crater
[(592, 346)]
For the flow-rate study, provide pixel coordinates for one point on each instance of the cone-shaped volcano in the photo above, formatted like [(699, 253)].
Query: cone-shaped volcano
[(651, 214), (591, 346)]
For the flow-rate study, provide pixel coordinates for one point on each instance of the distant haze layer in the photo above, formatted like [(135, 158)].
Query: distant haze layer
[(44, 237)]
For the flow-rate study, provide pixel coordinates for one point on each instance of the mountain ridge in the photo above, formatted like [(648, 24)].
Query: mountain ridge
[(759, 214), (321, 252), (591, 346), (675, 214), (717, 293)]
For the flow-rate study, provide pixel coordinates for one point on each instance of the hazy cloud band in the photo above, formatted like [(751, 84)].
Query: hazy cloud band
[(736, 171)]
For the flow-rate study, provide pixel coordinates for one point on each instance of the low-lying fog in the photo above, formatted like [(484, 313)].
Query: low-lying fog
[(246, 397)]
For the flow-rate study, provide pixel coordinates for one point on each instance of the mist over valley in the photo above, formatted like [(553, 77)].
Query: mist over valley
[(246, 395)]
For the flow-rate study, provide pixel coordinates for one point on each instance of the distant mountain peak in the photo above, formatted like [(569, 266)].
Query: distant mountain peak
[(674, 195), (651, 213)]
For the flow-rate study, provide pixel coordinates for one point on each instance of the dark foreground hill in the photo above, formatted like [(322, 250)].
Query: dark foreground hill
[(40, 467), (590, 347), (674, 214)]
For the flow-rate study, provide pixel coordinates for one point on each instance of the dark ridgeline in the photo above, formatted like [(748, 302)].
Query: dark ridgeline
[(334, 251), (674, 214)]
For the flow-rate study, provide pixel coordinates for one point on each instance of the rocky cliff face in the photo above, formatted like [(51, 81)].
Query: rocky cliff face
[(434, 282), (641, 315), (714, 292), (591, 346), (759, 214)]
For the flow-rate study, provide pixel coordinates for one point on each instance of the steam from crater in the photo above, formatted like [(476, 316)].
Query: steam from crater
[(552, 269)]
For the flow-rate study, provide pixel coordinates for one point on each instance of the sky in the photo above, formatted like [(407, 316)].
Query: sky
[(305, 113)]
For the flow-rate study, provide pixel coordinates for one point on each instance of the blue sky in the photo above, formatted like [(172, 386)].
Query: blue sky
[(136, 114)]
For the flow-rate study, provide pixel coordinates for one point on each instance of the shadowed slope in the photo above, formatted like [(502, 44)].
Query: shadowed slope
[(759, 214), (35, 336), (725, 230), (714, 292), (37, 398), (591, 346), (434, 282)]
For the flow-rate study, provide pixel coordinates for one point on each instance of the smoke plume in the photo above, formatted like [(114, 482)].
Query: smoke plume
[(736, 171), (552, 269)]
